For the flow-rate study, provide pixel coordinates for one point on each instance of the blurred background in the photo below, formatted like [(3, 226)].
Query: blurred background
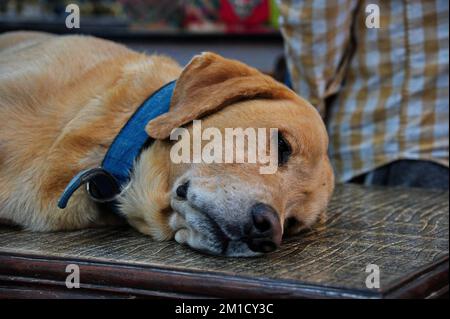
[(246, 30)]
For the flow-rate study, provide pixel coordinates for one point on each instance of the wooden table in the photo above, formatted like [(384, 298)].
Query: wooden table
[(404, 232)]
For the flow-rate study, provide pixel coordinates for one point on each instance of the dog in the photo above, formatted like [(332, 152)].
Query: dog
[(64, 99)]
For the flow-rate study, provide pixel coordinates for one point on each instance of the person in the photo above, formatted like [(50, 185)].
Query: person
[(378, 73)]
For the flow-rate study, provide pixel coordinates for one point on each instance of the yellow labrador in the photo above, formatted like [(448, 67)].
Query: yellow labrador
[(64, 99)]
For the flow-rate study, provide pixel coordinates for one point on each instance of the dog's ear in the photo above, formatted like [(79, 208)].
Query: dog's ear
[(209, 83)]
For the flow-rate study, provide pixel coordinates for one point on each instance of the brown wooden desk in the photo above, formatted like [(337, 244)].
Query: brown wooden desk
[(404, 232)]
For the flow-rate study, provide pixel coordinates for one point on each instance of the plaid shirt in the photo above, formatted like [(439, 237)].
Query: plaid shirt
[(390, 84)]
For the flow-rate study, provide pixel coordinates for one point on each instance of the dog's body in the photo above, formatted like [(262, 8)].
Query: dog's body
[(64, 99)]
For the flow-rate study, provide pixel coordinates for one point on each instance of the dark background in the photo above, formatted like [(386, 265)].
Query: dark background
[(246, 30)]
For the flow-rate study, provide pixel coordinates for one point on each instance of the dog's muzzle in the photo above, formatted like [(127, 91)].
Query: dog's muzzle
[(222, 230)]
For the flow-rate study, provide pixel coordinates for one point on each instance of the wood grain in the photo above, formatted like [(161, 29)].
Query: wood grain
[(403, 231)]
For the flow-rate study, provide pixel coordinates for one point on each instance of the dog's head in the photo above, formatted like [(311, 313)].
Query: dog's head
[(239, 209)]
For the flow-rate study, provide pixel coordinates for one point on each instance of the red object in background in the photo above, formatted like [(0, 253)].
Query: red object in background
[(244, 13)]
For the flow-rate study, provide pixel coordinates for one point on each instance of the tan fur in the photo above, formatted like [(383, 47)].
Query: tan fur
[(146, 202), (64, 98), (229, 80)]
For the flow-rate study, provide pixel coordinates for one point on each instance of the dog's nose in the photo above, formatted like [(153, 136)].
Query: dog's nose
[(182, 190), (265, 235)]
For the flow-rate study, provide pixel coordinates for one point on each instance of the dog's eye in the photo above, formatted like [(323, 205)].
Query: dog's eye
[(284, 150)]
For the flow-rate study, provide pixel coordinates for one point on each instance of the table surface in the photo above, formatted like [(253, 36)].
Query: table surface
[(405, 232)]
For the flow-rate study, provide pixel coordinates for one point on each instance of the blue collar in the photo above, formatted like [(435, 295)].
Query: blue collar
[(104, 183)]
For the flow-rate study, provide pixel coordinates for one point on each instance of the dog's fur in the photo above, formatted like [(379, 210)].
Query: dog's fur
[(64, 98)]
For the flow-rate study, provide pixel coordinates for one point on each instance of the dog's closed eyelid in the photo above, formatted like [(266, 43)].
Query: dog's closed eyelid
[(284, 149)]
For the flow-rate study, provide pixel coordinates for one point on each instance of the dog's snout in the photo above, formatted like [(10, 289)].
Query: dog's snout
[(264, 218), (182, 190), (265, 235), (244, 226)]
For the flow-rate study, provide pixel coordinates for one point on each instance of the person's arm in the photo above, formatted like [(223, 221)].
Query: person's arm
[(317, 37)]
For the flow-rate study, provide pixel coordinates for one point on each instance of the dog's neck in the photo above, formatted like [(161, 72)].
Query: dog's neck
[(146, 201), (105, 183)]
